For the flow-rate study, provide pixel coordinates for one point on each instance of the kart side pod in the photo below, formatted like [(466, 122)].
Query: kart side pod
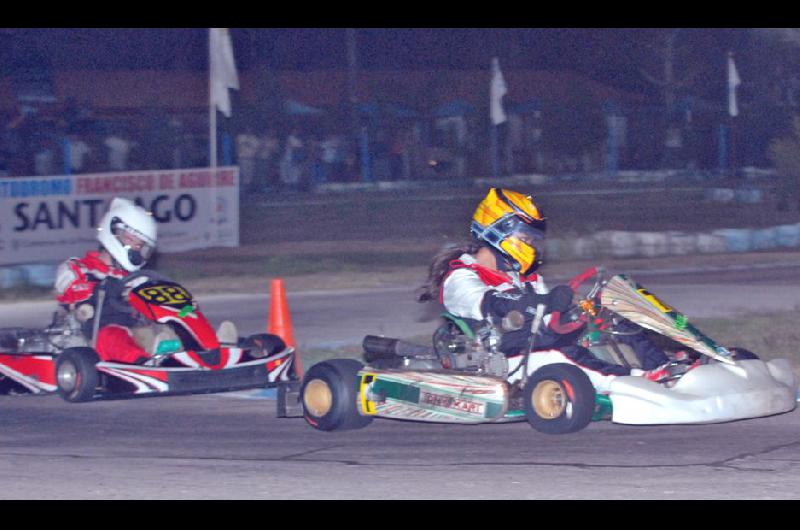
[(431, 396)]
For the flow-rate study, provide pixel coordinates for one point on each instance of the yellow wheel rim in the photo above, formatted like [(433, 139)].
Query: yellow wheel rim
[(318, 398), (549, 399)]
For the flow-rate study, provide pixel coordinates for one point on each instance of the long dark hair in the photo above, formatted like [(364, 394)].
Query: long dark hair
[(440, 265)]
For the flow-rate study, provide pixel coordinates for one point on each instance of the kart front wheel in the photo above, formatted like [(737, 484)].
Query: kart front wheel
[(76, 376), (559, 399), (329, 395)]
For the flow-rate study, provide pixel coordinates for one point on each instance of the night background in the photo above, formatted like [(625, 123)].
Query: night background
[(333, 175), (606, 54), (397, 104)]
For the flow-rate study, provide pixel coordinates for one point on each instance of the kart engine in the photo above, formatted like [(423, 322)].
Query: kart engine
[(65, 331), (477, 354)]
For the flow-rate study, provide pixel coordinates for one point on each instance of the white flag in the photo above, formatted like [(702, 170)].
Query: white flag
[(496, 92), (223, 69), (733, 82)]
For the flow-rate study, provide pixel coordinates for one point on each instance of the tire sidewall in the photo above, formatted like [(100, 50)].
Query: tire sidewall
[(580, 395), (86, 377), (341, 377)]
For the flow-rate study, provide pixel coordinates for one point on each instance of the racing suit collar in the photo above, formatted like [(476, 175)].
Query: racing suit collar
[(92, 260)]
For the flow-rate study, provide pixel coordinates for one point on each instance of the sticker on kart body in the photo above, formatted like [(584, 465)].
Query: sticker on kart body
[(167, 294), (681, 322), (650, 297), (431, 396), (367, 405), (452, 403)]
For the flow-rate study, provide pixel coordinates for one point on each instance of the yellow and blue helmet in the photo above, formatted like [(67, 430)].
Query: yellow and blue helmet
[(513, 225)]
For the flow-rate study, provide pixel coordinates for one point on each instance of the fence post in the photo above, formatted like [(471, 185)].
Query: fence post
[(227, 149), (366, 162), (67, 157)]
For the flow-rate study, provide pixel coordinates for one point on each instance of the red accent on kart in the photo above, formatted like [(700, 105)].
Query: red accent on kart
[(274, 364), (40, 369), (160, 375), (569, 327), (555, 316), (568, 388), (576, 282), (223, 359)]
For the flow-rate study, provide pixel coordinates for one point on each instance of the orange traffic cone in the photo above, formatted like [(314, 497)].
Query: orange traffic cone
[(280, 321)]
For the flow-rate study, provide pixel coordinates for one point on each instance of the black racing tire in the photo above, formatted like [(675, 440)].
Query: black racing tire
[(559, 399), (263, 345), (741, 354), (76, 376), (329, 393)]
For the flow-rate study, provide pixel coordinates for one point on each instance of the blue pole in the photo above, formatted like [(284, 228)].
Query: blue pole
[(612, 164), (723, 147), (495, 145), (227, 149), (67, 157), (366, 163)]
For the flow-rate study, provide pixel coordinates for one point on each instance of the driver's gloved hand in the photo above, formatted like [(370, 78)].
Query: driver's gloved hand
[(499, 304), (560, 298)]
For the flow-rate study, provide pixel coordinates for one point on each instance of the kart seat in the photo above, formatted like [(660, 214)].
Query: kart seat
[(227, 333), (149, 337)]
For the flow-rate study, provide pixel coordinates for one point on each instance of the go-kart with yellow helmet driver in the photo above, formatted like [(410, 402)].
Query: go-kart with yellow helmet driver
[(127, 234), (496, 274), (562, 370)]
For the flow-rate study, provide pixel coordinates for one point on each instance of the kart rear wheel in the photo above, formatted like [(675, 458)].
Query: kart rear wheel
[(559, 399), (329, 395), (76, 376)]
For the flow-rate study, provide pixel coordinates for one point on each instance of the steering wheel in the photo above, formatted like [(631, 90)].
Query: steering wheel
[(584, 308), (115, 300)]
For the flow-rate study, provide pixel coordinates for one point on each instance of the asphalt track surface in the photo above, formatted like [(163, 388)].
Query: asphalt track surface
[(225, 446), (218, 447)]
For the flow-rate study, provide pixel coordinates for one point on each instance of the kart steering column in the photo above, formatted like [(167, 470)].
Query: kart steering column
[(101, 297)]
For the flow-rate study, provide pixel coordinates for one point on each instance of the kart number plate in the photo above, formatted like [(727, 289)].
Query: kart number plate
[(172, 295)]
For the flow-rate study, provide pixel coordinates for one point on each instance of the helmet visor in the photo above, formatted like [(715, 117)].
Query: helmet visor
[(520, 241), (139, 249)]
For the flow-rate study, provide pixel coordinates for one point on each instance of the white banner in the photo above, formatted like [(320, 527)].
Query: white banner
[(49, 219)]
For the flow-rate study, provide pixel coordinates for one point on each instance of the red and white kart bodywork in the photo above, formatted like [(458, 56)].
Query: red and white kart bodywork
[(61, 359)]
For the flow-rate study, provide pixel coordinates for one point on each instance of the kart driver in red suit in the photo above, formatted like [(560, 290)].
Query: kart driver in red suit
[(127, 236)]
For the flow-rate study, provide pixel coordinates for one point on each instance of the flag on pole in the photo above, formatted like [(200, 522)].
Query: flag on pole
[(733, 82), (223, 69), (497, 90)]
